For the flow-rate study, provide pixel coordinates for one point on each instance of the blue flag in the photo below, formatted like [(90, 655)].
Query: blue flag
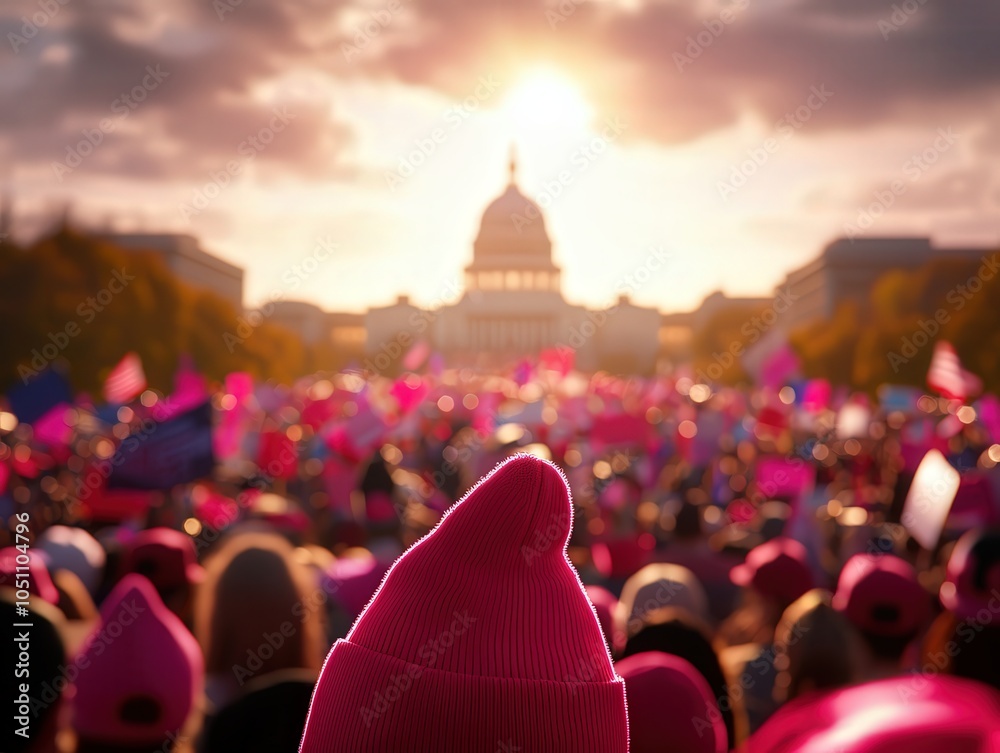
[(31, 400), (166, 453)]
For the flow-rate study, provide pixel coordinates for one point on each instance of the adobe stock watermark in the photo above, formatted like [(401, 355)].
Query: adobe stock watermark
[(428, 655), (51, 690), (248, 150), (87, 311), (31, 25), (580, 160), (556, 13), (382, 358), (914, 168), (900, 16), (624, 286), (714, 27), (785, 127), (545, 538), (927, 329), (292, 277), (752, 330), (454, 118), (123, 106)]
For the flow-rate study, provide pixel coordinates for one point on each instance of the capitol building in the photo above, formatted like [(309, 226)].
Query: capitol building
[(512, 304)]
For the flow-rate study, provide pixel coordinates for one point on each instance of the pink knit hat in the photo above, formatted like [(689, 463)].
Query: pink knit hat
[(481, 638), (880, 594), (778, 569), (140, 670), (670, 706)]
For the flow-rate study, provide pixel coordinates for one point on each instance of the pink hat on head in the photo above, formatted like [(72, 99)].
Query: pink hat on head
[(973, 575), (481, 637), (670, 706), (140, 670), (905, 714), (31, 576), (166, 557), (605, 605), (880, 594), (778, 568)]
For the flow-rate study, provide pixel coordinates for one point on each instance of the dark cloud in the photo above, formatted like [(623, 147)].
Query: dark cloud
[(194, 73), (671, 73)]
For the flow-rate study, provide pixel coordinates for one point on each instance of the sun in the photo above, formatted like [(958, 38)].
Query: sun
[(547, 100)]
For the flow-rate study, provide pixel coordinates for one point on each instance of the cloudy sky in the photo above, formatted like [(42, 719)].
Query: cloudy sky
[(739, 136)]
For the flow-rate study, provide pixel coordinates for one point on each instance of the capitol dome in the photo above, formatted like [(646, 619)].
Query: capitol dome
[(512, 231)]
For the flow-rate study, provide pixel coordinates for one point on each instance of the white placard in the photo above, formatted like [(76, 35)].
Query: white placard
[(929, 500)]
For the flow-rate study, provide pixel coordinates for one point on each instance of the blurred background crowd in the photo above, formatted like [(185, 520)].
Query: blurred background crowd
[(813, 567)]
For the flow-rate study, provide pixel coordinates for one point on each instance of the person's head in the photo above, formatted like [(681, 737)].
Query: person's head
[(923, 713), (259, 610), (71, 548), (675, 631), (168, 559), (656, 587), (881, 596), (43, 656), (266, 717), (670, 706), (971, 594), (140, 674), (26, 571), (480, 636), (815, 648), (777, 570)]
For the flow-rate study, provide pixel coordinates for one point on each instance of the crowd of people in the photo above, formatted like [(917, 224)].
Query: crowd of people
[(650, 564)]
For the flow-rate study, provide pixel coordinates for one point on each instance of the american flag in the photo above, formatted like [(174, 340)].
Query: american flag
[(126, 380), (947, 376)]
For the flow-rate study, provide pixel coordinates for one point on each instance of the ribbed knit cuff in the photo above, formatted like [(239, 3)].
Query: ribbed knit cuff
[(372, 702)]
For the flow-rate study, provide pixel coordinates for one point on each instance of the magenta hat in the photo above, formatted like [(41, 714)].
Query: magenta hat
[(973, 575), (906, 714), (605, 605), (35, 579), (778, 568), (141, 671), (481, 638), (166, 557), (880, 594), (670, 706)]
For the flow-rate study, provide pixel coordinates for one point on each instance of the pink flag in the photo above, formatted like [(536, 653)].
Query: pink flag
[(126, 380), (778, 367), (416, 355), (947, 376), (988, 410), (560, 359)]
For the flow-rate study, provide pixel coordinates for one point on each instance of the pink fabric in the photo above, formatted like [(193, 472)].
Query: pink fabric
[(670, 706), (140, 650), (908, 714), (37, 576), (869, 583), (481, 636), (778, 569), (165, 556), (605, 605), (973, 576)]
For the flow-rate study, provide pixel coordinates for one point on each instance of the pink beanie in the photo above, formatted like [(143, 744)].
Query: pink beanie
[(670, 706), (481, 638), (141, 671)]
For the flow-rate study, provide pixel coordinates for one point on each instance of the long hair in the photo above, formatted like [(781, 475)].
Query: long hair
[(259, 609), (815, 648)]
